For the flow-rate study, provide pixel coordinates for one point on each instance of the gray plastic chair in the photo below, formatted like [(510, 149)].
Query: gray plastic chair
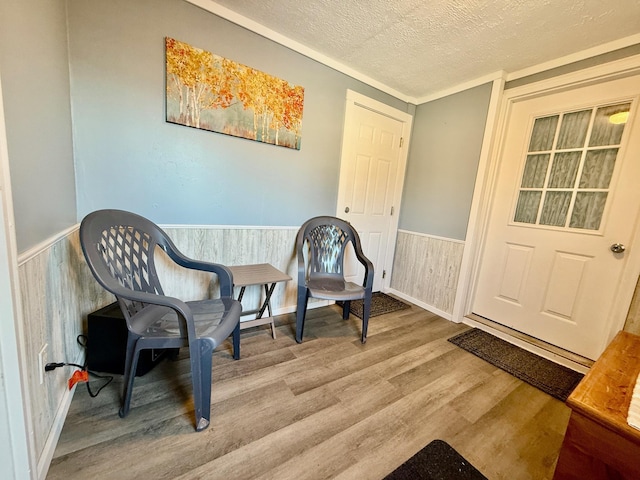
[(119, 248), (325, 240)]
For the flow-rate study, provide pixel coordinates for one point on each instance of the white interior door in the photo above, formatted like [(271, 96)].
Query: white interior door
[(371, 178), (567, 191)]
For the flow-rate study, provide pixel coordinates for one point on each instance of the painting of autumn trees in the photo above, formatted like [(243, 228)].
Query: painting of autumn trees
[(213, 93)]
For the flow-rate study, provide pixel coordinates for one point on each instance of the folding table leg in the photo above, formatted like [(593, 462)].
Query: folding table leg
[(268, 291)]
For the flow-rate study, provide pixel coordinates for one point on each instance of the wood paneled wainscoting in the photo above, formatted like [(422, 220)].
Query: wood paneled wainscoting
[(426, 270), (57, 292), (233, 246)]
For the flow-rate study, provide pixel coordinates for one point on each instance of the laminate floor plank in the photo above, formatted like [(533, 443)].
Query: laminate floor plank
[(538, 446), (476, 402), (398, 343), (252, 460), (329, 407), (379, 460), (494, 444)]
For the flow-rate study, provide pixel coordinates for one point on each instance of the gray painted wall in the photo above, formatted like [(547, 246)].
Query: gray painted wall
[(128, 157), (443, 161), (35, 90)]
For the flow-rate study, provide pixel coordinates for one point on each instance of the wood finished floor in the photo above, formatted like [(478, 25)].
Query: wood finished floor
[(327, 408)]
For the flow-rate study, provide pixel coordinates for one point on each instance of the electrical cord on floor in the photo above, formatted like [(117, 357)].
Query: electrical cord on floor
[(52, 366)]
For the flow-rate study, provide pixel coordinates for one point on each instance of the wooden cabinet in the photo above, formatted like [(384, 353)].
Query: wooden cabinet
[(599, 444)]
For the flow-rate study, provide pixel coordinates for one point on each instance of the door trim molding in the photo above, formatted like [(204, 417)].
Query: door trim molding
[(354, 99), (15, 387), (478, 216), (487, 176)]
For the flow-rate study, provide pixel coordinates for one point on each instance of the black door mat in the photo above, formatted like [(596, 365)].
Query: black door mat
[(436, 461), (381, 303), (553, 379)]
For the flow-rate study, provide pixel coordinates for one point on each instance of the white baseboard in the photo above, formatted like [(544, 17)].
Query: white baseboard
[(52, 440), (56, 428), (431, 308)]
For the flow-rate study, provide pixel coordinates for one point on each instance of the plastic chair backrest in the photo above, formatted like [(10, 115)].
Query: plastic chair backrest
[(327, 238), (119, 247)]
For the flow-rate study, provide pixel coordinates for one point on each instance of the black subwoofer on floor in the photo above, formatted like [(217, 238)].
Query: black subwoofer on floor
[(107, 343)]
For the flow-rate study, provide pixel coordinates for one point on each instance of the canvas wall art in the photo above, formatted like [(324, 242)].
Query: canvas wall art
[(213, 93)]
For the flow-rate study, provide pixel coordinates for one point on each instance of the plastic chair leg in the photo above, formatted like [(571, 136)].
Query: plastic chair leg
[(346, 308), (303, 299), (201, 359), (236, 342), (366, 310), (130, 367)]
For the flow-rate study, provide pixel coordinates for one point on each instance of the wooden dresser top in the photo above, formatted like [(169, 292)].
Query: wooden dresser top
[(605, 392)]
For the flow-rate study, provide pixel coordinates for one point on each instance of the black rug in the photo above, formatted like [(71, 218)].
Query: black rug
[(556, 380), (381, 303), (436, 461)]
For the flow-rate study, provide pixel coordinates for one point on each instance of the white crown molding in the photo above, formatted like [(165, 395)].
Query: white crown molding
[(616, 68), (575, 57), (253, 26), (462, 87)]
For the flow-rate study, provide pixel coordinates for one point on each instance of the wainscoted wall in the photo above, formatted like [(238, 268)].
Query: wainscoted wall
[(426, 269), (233, 246), (57, 292)]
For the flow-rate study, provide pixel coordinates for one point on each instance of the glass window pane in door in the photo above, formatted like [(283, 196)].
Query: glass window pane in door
[(564, 169), (573, 129), (527, 207), (544, 131), (555, 208), (598, 168), (535, 171), (588, 209), (604, 131)]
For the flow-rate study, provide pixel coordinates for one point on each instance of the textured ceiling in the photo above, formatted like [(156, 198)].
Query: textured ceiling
[(420, 47)]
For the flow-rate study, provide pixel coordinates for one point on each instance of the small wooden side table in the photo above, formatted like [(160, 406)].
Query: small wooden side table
[(599, 444), (258, 274)]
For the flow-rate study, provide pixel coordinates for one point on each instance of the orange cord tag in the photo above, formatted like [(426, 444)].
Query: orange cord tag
[(78, 376)]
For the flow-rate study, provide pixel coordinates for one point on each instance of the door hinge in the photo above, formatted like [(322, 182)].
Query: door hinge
[(384, 273), (401, 141), (391, 211)]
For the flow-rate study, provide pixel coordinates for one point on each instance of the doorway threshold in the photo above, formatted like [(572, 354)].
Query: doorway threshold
[(534, 345)]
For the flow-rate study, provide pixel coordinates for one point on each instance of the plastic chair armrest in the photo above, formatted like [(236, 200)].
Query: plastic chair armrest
[(225, 277), (368, 266), (181, 308)]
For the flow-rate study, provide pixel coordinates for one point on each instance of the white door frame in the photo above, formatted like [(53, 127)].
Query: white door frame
[(357, 99), (487, 177), (16, 437)]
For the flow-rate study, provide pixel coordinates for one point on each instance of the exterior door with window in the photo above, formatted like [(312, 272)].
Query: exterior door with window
[(565, 207)]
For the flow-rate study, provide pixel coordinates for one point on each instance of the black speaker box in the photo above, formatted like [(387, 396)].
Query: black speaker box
[(107, 343)]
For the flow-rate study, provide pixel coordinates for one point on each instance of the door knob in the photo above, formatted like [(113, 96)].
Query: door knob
[(346, 210), (618, 248)]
